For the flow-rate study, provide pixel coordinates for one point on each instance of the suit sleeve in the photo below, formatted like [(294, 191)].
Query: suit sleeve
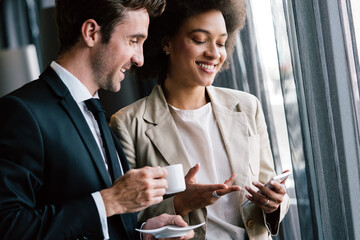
[(23, 214)]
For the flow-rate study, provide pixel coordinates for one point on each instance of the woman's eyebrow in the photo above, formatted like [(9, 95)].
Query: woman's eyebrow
[(204, 31)]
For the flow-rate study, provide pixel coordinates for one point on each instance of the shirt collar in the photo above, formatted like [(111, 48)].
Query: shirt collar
[(77, 90)]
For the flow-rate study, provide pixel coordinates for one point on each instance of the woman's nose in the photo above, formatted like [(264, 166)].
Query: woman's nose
[(213, 51)]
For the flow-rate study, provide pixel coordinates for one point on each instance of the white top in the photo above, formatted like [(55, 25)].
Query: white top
[(202, 140), (80, 94)]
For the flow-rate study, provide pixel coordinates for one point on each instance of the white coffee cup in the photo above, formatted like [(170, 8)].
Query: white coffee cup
[(175, 179)]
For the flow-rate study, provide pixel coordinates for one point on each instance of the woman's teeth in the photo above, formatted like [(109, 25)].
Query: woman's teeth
[(210, 67)]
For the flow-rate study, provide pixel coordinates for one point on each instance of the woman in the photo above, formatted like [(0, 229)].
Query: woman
[(186, 120)]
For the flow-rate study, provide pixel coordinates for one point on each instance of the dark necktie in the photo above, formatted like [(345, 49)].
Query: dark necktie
[(97, 109)]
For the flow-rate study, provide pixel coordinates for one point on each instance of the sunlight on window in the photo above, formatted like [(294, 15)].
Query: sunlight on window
[(355, 7), (267, 49)]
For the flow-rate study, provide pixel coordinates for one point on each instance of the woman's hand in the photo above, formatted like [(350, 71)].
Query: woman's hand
[(265, 198), (200, 195)]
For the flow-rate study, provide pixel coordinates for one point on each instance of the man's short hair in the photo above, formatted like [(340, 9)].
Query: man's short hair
[(71, 14)]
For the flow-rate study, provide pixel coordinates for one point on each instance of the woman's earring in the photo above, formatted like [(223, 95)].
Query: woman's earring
[(167, 52)]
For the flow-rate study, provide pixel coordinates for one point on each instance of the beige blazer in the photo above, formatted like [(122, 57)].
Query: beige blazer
[(150, 137)]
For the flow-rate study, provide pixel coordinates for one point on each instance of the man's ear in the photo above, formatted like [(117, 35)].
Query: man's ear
[(90, 32)]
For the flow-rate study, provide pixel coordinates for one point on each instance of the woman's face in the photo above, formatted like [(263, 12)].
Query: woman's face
[(197, 51)]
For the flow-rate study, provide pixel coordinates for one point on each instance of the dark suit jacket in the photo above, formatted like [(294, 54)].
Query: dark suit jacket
[(49, 166)]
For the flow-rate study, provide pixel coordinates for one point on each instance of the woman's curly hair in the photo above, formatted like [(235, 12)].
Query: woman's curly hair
[(169, 23)]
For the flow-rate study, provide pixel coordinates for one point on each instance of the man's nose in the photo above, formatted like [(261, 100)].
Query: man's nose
[(138, 58)]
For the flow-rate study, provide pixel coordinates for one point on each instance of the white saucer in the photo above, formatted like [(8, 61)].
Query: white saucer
[(169, 231)]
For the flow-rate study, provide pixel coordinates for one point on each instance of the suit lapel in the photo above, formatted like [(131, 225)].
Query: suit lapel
[(164, 135), (129, 220), (70, 106), (83, 129), (74, 113)]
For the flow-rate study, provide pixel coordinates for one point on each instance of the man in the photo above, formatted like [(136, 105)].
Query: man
[(56, 177)]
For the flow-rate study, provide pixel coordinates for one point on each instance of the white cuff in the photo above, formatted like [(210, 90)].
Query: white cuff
[(102, 213)]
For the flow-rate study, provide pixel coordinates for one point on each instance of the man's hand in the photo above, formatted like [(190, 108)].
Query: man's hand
[(163, 220), (135, 191), (200, 195)]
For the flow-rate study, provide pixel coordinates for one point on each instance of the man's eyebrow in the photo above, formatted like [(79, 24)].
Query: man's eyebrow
[(139, 35), (205, 31)]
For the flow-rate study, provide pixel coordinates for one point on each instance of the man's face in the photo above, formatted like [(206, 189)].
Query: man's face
[(124, 49)]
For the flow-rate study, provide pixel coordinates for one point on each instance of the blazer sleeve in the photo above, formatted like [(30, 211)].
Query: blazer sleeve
[(127, 143), (267, 172), (23, 215)]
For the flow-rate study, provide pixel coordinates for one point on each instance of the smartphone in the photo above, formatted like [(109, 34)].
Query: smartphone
[(279, 178)]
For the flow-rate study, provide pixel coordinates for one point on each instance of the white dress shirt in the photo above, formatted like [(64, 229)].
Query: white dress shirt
[(202, 139), (80, 94)]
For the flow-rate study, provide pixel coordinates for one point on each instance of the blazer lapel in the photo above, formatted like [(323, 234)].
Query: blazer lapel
[(73, 111), (233, 128), (164, 135)]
